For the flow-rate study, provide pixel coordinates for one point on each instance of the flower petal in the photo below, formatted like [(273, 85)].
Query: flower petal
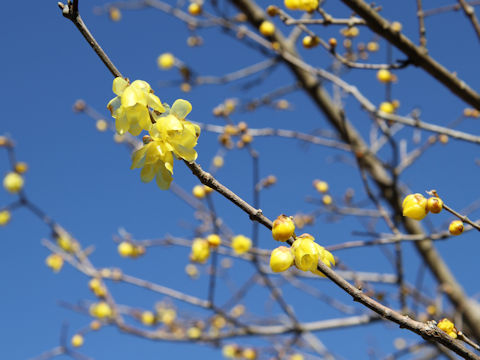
[(138, 157), (119, 85), (181, 108), (148, 172), (114, 106), (122, 124), (155, 103), (186, 153), (164, 178)]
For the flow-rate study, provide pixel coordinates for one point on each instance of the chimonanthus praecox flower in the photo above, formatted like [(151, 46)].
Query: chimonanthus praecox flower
[(170, 135), (131, 108)]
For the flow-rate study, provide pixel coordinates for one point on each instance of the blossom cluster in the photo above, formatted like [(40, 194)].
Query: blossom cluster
[(137, 109)]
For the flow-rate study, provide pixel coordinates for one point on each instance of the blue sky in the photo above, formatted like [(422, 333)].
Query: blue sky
[(81, 178)]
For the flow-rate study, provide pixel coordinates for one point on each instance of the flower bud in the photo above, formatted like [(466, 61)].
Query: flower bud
[(214, 240), (456, 227), (415, 206), (13, 182), (326, 257), (281, 259), (448, 327), (434, 205), (283, 228), (241, 244), (384, 76)]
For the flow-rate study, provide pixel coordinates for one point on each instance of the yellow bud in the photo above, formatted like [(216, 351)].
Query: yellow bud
[(434, 205), (332, 42), (218, 161), (241, 244), (415, 206), (387, 107), (97, 288), (168, 316), (5, 217), (396, 26), (320, 186), (166, 61), (230, 351), (249, 354), (101, 310), (21, 167), (77, 340), (191, 271), (13, 182), (214, 240), (125, 249), (372, 46), (95, 325), (114, 13), (101, 125), (327, 200), (448, 327), (296, 357), (384, 76), (194, 332), (238, 310), (200, 250), (267, 28), (199, 191), (281, 259), (431, 309), (443, 138), (195, 9), (283, 228), (456, 227), (148, 318), (54, 262), (309, 42), (66, 243), (219, 322)]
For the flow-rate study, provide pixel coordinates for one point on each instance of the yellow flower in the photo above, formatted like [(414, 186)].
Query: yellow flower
[(13, 182), (54, 262), (305, 252), (200, 250), (415, 206), (131, 106), (194, 332), (168, 316), (66, 243), (448, 327), (241, 244), (170, 135), (5, 217), (166, 61), (77, 340), (281, 259), (230, 351), (283, 228)]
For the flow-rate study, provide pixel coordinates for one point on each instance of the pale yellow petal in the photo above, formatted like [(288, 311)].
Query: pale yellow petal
[(155, 103), (142, 85), (119, 85), (138, 157), (121, 124), (148, 172), (181, 108), (114, 106), (188, 154), (164, 178)]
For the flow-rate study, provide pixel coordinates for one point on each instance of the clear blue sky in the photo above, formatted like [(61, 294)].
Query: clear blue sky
[(82, 179)]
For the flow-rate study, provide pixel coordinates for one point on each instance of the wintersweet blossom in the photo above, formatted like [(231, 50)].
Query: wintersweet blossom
[(170, 135), (131, 107)]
